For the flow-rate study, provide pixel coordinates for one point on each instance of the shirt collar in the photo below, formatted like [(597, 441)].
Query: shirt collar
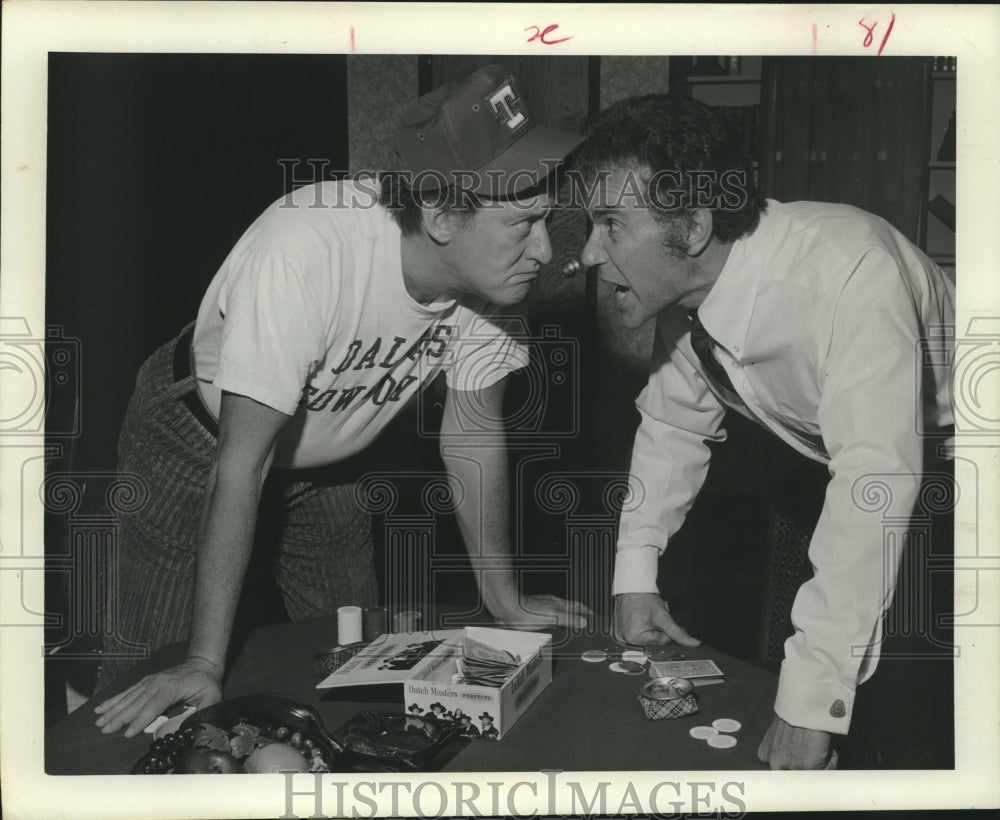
[(728, 308)]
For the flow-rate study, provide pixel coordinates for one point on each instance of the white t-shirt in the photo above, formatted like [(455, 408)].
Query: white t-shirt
[(309, 315)]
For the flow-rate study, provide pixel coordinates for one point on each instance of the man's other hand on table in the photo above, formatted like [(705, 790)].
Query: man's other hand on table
[(643, 618), (542, 612), (195, 681), (793, 747)]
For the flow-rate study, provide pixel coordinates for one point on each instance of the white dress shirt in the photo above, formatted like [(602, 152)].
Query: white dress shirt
[(835, 331)]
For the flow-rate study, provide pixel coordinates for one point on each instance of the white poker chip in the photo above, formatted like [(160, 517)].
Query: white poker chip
[(702, 732), (594, 655), (727, 725), (634, 655), (722, 742)]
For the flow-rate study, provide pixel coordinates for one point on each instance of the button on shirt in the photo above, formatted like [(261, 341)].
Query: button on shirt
[(835, 332)]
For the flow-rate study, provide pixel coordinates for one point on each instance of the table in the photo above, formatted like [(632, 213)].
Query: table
[(587, 719)]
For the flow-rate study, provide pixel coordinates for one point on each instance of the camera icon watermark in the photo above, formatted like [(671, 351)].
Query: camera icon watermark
[(976, 378), (41, 378), (543, 400)]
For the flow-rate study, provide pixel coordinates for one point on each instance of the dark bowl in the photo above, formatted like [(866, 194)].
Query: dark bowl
[(268, 712)]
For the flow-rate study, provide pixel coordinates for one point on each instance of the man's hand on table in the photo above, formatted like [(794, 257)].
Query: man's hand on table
[(643, 618), (542, 612), (792, 747), (195, 681)]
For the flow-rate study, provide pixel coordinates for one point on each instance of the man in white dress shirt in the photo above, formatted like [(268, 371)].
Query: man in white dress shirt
[(812, 320)]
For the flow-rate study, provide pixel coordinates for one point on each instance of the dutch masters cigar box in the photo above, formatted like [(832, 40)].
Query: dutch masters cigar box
[(489, 675)]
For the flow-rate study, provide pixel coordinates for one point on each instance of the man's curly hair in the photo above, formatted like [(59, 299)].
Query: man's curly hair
[(680, 141)]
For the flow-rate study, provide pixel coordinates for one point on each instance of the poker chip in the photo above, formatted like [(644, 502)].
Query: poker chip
[(727, 725), (702, 732), (722, 741), (626, 668), (635, 656), (594, 655), (658, 653)]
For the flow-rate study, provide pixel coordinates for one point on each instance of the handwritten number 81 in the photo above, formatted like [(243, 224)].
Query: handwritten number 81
[(870, 31)]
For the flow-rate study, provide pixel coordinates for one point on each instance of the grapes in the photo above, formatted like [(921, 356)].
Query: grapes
[(166, 753)]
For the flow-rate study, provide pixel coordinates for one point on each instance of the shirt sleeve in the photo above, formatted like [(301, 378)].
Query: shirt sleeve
[(870, 414), (679, 415), (485, 350), (271, 331)]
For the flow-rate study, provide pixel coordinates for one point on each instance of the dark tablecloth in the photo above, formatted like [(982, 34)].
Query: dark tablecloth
[(587, 719)]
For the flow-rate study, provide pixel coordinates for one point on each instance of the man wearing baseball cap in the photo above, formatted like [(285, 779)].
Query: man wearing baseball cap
[(331, 311), (477, 140)]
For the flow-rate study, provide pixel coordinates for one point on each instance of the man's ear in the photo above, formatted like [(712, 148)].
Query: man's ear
[(441, 225), (699, 231)]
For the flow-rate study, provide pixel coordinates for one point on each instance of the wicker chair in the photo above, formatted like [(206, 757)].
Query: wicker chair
[(796, 502)]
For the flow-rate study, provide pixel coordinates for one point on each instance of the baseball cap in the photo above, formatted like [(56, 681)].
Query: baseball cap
[(478, 133)]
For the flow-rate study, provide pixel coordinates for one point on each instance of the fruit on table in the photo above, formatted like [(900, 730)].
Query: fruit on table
[(205, 748), (276, 757), (243, 740), (164, 753), (200, 760)]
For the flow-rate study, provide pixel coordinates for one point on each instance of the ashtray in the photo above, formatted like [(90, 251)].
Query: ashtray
[(407, 741)]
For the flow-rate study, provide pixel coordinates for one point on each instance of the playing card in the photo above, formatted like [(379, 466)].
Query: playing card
[(698, 672)]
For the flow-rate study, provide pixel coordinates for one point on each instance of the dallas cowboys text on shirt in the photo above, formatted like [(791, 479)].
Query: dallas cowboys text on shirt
[(378, 356)]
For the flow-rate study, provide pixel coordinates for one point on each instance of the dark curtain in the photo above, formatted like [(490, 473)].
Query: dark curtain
[(848, 130), (156, 164)]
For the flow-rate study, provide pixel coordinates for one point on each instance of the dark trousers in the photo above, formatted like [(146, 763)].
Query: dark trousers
[(321, 546)]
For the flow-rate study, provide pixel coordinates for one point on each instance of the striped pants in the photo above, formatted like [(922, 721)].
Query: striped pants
[(322, 558)]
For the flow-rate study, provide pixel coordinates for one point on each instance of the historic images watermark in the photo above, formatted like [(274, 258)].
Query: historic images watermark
[(319, 795), (664, 190)]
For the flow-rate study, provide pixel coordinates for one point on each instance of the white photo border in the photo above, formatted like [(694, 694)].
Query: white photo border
[(972, 33)]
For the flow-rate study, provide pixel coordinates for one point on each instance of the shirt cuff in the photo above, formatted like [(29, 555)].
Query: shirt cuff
[(635, 570), (810, 704)]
